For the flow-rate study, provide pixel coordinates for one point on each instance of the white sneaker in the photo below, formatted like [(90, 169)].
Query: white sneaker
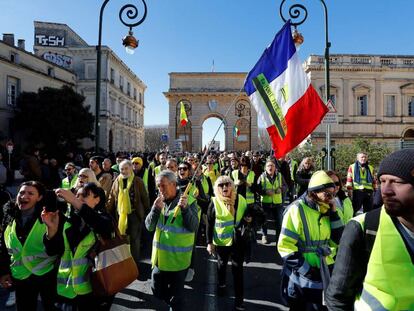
[(11, 301), (190, 275)]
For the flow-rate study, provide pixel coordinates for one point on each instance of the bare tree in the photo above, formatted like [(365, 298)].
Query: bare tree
[(264, 140), (153, 137)]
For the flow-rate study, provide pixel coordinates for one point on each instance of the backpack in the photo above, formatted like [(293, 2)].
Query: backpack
[(371, 225)]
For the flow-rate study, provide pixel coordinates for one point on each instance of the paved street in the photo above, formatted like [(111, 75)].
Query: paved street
[(261, 285)]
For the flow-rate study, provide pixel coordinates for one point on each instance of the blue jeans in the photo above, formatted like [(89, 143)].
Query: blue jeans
[(169, 286)]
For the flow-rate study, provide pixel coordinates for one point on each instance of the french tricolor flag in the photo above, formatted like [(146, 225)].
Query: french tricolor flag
[(282, 94)]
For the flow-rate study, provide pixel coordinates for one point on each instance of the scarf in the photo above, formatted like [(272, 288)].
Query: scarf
[(357, 173), (229, 201), (124, 203)]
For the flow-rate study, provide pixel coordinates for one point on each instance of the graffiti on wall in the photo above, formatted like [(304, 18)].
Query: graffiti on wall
[(58, 59), (49, 40)]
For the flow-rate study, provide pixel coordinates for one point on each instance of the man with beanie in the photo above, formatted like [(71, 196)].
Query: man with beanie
[(374, 267), (311, 230), (360, 183)]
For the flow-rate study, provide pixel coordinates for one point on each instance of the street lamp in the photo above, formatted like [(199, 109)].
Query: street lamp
[(298, 14), (130, 43)]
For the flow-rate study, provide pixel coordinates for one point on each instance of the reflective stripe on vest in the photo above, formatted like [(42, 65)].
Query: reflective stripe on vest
[(389, 281), (250, 179), (363, 176), (224, 222), (294, 230), (345, 209), (276, 198), (31, 258), (73, 273), (173, 244)]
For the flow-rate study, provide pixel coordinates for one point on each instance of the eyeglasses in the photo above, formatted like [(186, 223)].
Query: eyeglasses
[(224, 184), (328, 194), (183, 168), (83, 176), (68, 169)]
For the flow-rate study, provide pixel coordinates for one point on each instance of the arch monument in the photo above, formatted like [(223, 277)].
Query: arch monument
[(206, 95)]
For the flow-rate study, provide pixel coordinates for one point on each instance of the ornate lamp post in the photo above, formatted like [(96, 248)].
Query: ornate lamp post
[(130, 43), (298, 14)]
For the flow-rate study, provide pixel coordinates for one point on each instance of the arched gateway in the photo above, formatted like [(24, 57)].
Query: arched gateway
[(205, 95)]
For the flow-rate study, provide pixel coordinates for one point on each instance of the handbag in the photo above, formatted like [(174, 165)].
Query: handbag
[(114, 268)]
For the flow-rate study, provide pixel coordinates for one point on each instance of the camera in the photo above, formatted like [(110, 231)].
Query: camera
[(53, 203)]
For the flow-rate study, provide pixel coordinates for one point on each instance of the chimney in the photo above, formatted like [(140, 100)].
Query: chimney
[(21, 44), (8, 38)]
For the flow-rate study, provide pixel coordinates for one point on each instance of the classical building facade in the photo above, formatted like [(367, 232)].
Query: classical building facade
[(21, 71), (373, 96), (206, 95), (122, 92)]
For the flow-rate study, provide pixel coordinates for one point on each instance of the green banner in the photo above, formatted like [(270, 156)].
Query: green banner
[(276, 115)]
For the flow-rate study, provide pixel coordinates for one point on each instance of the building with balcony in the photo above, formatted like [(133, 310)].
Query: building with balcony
[(373, 96)]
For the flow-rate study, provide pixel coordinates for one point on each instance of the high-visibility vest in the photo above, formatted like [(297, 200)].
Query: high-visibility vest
[(172, 245), (213, 174), (250, 179), (364, 183), (31, 258), (276, 198), (389, 281), (73, 274), (344, 209), (225, 222), (157, 170), (292, 237), (145, 178), (69, 185)]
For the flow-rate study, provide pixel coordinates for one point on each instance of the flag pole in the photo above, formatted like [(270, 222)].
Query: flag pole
[(187, 189)]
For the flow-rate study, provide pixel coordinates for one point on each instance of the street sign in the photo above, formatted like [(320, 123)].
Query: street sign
[(332, 116), (164, 138), (178, 145), (9, 147)]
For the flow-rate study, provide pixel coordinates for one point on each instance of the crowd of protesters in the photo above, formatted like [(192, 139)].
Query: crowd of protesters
[(223, 201)]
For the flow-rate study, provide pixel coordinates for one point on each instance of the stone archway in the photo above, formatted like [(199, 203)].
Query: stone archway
[(211, 131), (207, 94)]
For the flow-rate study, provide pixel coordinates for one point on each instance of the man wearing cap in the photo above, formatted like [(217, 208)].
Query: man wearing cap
[(374, 268), (311, 230)]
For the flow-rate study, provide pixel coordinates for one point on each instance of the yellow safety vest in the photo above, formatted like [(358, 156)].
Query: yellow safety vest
[(69, 185), (145, 178), (364, 184), (276, 198), (172, 246), (250, 179), (389, 282), (225, 222), (73, 275), (344, 209), (31, 258), (292, 237)]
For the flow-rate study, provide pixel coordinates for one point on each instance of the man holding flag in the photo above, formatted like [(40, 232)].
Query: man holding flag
[(282, 94)]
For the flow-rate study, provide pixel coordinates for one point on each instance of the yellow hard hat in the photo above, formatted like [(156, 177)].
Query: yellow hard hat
[(319, 181)]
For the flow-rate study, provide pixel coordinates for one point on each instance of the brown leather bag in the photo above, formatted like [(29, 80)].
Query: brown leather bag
[(113, 266)]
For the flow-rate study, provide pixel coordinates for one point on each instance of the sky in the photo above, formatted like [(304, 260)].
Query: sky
[(187, 35)]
